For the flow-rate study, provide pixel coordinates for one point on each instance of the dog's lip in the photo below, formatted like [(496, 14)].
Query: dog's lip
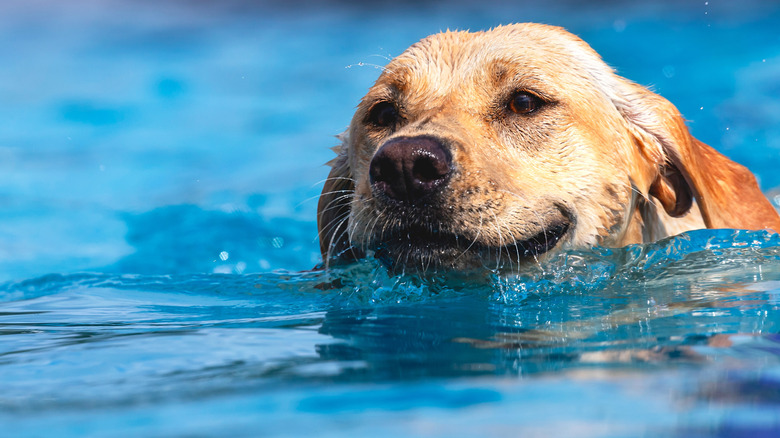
[(429, 240), (540, 243)]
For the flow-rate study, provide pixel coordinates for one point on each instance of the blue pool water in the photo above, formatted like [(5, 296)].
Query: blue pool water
[(159, 169)]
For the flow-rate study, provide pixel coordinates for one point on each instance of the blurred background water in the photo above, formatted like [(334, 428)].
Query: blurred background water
[(159, 169)]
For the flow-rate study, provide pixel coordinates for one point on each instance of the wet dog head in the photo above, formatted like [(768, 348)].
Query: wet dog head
[(494, 148)]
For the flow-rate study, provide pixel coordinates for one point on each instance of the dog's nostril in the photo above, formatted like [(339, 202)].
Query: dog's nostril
[(411, 168), (385, 170), (429, 167)]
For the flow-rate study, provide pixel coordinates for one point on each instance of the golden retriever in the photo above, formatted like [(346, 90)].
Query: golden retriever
[(491, 149)]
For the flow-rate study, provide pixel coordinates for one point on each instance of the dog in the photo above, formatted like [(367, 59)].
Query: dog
[(494, 149)]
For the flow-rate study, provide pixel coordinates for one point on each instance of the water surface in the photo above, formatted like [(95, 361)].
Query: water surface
[(160, 169)]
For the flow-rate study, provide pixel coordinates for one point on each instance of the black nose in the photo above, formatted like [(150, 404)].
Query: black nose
[(410, 168)]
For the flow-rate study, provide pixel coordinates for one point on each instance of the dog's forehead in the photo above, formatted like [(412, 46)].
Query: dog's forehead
[(538, 53)]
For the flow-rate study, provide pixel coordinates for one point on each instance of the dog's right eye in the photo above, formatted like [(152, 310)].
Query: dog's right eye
[(383, 114), (525, 103)]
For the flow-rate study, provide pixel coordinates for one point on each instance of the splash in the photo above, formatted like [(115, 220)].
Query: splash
[(701, 256)]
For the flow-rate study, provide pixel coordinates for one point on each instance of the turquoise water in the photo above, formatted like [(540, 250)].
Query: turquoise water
[(160, 169)]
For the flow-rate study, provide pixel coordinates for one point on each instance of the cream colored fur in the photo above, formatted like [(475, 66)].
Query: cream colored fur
[(608, 155)]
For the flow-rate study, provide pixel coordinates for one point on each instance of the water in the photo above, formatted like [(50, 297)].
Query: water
[(158, 182)]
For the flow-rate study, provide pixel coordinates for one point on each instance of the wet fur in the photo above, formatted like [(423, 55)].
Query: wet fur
[(607, 156)]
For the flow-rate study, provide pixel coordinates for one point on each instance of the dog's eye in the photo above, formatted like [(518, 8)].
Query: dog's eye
[(525, 103), (383, 114)]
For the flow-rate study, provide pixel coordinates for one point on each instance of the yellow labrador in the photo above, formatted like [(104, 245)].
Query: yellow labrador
[(495, 148)]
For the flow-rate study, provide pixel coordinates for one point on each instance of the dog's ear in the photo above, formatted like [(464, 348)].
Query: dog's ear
[(333, 208), (726, 192)]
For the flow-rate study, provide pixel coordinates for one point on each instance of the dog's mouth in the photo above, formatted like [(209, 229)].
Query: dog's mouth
[(419, 248)]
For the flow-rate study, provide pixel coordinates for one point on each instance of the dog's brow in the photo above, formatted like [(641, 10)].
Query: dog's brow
[(395, 80), (506, 73), (384, 92), (499, 71)]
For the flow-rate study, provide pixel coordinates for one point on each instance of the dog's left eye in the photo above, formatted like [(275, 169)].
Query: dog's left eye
[(383, 114), (525, 103)]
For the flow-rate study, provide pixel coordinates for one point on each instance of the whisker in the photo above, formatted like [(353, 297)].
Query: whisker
[(333, 178), (517, 249), (385, 57), (336, 203), (366, 64), (540, 221), (544, 230), (500, 239), (332, 244), (633, 189), (332, 226), (366, 234), (332, 192), (398, 259), (479, 231), (331, 231)]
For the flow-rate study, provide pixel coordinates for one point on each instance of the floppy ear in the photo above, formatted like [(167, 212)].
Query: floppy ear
[(726, 192), (333, 208)]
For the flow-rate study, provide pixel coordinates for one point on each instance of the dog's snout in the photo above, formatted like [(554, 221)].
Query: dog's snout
[(411, 168)]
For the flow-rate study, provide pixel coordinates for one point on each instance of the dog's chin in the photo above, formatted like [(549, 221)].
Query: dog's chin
[(418, 249)]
